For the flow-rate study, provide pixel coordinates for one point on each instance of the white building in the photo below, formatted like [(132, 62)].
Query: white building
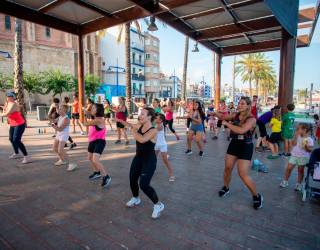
[(170, 86)]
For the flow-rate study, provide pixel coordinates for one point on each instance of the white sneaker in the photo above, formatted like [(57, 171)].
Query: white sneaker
[(284, 184), (157, 209), (26, 159), (72, 166), (82, 133), (15, 156), (298, 187), (172, 178), (133, 202), (60, 163)]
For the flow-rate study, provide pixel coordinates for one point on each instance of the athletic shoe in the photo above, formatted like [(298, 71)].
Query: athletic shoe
[(106, 181), (262, 168), (15, 156), (257, 201), (82, 133), (60, 163), (224, 191), (127, 142), (95, 175), (272, 157), (26, 159), (178, 138), (284, 184), (134, 201), (266, 148), (172, 178), (71, 166), (72, 145), (157, 209), (66, 145), (298, 187), (117, 142), (201, 153), (215, 137), (259, 149), (53, 136), (188, 152), (287, 155)]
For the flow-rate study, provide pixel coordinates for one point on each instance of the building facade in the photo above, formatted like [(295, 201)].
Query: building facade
[(170, 86)]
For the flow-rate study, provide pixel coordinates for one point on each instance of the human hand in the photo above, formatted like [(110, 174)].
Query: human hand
[(225, 123)]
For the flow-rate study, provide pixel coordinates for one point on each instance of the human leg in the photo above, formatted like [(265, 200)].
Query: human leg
[(17, 136), (243, 169), (135, 172), (230, 160)]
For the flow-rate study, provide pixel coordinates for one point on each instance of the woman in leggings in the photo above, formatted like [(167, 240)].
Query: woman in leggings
[(240, 149), (169, 117), (17, 126), (144, 163)]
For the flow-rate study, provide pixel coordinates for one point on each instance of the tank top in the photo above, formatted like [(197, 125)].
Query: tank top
[(121, 115), (15, 119), (247, 136), (169, 115), (75, 107), (107, 110), (157, 110), (161, 140), (65, 131), (254, 111), (145, 149), (96, 133), (195, 117)]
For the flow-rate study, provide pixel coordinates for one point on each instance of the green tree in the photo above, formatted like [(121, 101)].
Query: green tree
[(57, 82), (92, 84), (33, 84), (6, 82)]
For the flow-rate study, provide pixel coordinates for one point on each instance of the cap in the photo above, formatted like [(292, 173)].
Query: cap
[(11, 94)]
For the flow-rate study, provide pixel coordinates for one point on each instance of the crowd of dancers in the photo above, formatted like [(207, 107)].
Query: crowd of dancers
[(154, 121)]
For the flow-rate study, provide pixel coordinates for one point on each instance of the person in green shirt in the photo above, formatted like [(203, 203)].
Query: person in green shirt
[(288, 128), (156, 106)]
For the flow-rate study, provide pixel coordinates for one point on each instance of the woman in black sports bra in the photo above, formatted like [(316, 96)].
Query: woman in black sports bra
[(144, 163), (240, 149)]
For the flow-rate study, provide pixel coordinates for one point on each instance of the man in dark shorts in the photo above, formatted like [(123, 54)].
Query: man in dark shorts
[(261, 123)]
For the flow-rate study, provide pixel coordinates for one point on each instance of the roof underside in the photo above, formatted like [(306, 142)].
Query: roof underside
[(228, 27)]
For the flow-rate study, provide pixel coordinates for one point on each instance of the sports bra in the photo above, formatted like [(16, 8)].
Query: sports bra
[(144, 149)]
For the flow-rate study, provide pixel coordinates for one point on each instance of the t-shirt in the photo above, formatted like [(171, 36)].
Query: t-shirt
[(288, 121), (266, 117), (276, 125), (299, 149)]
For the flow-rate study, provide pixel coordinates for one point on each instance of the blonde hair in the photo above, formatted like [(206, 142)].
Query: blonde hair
[(248, 112), (276, 113)]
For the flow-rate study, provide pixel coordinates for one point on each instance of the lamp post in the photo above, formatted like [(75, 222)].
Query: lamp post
[(118, 70)]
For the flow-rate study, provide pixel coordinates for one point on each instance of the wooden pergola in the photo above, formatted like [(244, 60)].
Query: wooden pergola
[(227, 27)]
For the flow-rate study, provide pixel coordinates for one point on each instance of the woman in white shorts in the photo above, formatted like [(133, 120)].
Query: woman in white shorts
[(161, 144)]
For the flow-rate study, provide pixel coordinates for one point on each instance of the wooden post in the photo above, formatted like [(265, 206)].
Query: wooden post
[(287, 65), (217, 80), (80, 77)]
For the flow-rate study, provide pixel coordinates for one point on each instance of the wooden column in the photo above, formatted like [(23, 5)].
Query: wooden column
[(287, 67), (217, 84), (80, 76)]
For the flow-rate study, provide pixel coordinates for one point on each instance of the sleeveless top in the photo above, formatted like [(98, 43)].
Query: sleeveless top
[(195, 117), (247, 136), (107, 110), (161, 140), (75, 107), (96, 133), (157, 110), (65, 131), (15, 119), (145, 149), (254, 111), (121, 115), (169, 115)]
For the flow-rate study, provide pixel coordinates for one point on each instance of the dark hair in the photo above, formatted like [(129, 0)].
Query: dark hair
[(66, 99), (143, 100), (246, 99), (200, 110), (316, 117), (162, 117), (156, 100), (305, 126), (290, 107), (76, 95), (90, 100), (255, 96), (107, 100), (100, 110), (56, 100), (151, 113)]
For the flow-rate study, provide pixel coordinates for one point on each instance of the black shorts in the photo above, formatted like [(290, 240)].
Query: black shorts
[(241, 149), (120, 125), (219, 124), (275, 137), (262, 128), (75, 116), (97, 146), (107, 115)]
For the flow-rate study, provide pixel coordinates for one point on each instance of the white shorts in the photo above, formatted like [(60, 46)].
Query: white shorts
[(62, 137), (163, 148)]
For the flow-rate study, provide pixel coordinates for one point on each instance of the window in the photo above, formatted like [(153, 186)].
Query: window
[(155, 57), (134, 87), (7, 22), (140, 88), (147, 56), (48, 32), (133, 70), (88, 42), (155, 70), (147, 70), (140, 58), (147, 42), (154, 43), (133, 57)]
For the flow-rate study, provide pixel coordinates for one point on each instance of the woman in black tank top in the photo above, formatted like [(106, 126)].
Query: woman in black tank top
[(240, 149), (144, 163)]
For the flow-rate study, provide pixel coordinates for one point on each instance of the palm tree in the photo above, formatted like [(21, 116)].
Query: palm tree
[(18, 65), (268, 83), (185, 68)]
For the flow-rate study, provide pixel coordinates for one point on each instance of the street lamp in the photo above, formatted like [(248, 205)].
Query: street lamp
[(195, 49), (152, 25)]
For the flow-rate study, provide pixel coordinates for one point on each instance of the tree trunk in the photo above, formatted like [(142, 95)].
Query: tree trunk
[(128, 68), (257, 87), (234, 78), (250, 87), (18, 65), (185, 68)]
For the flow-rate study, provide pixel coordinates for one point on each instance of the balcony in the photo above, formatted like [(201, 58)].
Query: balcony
[(138, 77)]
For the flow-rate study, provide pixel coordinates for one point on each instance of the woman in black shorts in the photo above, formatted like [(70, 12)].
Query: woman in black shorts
[(144, 163), (240, 149)]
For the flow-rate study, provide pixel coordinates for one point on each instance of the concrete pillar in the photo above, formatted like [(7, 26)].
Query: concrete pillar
[(217, 85), (80, 76)]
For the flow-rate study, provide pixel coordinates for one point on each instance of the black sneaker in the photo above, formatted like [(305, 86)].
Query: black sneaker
[(117, 142), (201, 153), (72, 145), (287, 155), (224, 191), (228, 138), (127, 143), (215, 137), (66, 145), (95, 175), (257, 201), (106, 181), (188, 152)]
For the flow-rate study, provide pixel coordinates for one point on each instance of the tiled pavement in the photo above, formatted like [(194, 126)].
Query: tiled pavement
[(45, 207)]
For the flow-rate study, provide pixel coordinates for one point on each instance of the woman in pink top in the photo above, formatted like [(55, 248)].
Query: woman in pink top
[(97, 142), (169, 117), (17, 126)]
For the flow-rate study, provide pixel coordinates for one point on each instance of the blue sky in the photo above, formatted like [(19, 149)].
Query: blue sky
[(201, 63)]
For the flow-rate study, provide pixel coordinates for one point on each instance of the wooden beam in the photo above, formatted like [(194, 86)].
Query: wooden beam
[(19, 11), (233, 29), (81, 86), (91, 7), (304, 25), (315, 21), (303, 40), (52, 5), (307, 15), (124, 16), (171, 4), (217, 84)]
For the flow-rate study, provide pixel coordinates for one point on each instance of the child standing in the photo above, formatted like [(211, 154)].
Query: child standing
[(317, 127), (161, 144), (300, 155), (275, 136), (288, 128)]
